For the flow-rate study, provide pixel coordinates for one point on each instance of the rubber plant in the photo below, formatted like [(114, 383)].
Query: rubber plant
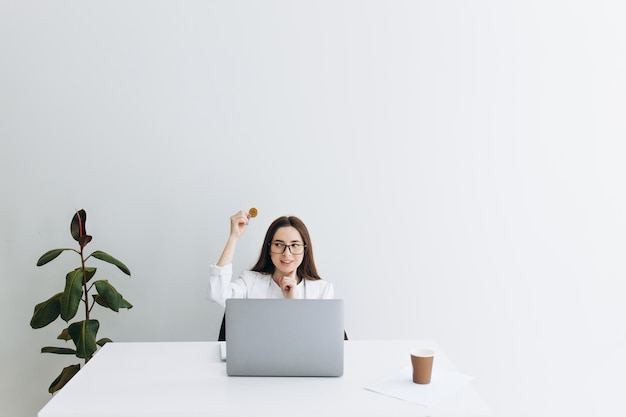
[(79, 287)]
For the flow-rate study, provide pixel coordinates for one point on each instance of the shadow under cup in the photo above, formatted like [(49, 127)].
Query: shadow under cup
[(422, 361)]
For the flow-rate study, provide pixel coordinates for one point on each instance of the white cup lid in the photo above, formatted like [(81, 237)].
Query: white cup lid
[(422, 352)]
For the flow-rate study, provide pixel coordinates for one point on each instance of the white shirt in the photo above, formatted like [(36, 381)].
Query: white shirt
[(251, 284)]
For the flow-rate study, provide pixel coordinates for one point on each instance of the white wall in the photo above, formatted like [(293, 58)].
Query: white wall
[(459, 164)]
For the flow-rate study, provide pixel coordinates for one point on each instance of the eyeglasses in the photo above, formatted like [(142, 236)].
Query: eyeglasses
[(294, 248)]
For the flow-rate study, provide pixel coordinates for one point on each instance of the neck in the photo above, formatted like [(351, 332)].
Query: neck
[(276, 276)]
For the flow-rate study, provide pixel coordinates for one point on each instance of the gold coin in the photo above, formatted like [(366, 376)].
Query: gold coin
[(253, 212)]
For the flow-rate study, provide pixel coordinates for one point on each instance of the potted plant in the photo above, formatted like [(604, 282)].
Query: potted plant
[(79, 286)]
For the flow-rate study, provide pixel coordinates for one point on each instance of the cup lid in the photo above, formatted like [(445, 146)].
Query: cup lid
[(422, 352)]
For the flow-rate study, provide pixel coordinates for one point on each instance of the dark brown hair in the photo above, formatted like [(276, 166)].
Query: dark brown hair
[(307, 268)]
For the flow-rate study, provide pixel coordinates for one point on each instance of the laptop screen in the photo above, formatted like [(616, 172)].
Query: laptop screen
[(282, 337)]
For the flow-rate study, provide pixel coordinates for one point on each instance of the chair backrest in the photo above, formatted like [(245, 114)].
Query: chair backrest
[(222, 336)]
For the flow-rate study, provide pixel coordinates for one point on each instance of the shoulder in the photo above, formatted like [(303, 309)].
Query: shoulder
[(319, 283), (254, 276), (319, 289)]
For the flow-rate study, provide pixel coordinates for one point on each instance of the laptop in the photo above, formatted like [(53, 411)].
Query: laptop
[(282, 337)]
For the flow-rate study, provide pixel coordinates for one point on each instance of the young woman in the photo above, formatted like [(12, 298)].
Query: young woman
[(285, 268)]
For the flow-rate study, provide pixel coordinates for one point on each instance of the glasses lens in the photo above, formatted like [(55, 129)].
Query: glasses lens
[(277, 247), (297, 249)]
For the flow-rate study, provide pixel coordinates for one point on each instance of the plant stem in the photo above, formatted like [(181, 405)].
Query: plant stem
[(85, 289)]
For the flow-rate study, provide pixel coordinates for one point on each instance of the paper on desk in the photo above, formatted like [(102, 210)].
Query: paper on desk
[(442, 384)]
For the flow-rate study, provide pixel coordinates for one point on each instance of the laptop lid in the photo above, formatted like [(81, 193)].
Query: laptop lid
[(282, 337)]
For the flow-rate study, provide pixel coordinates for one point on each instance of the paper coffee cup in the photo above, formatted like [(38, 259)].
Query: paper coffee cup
[(422, 361)]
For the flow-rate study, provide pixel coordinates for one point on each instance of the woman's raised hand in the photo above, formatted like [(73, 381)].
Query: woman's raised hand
[(238, 223)]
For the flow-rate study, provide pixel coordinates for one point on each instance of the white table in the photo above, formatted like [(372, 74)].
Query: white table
[(188, 379)]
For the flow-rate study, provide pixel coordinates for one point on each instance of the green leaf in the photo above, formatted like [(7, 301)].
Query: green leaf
[(102, 302), (108, 294), (63, 378), (108, 258), (84, 336), (58, 350), (46, 312), (65, 335), (104, 341), (50, 255), (125, 304), (90, 272), (72, 294)]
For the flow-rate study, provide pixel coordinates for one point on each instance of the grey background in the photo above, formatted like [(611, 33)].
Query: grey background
[(459, 165)]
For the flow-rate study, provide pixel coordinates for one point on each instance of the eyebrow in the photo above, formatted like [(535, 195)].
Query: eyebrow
[(282, 241)]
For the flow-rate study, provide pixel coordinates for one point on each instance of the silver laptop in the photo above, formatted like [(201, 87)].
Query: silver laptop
[(280, 337)]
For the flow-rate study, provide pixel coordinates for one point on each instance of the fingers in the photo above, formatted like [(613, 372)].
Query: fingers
[(238, 223), (287, 283), (241, 217)]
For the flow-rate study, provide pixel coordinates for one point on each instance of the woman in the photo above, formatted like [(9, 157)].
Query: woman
[(285, 268)]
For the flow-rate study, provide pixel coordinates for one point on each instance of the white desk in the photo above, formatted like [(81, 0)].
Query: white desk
[(188, 379)]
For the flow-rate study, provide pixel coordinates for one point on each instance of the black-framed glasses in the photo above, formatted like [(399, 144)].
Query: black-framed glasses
[(294, 248)]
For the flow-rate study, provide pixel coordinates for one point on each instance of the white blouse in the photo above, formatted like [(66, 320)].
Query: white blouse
[(251, 284)]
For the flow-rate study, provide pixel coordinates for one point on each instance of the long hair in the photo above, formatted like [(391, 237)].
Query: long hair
[(307, 269)]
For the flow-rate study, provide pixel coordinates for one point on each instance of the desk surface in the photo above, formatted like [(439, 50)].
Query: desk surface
[(188, 379)]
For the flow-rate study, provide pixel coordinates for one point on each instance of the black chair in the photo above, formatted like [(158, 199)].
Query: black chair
[(222, 336)]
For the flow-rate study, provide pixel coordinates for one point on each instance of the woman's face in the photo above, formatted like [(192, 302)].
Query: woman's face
[(286, 262)]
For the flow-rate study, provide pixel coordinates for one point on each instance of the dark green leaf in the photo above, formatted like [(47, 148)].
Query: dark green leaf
[(90, 272), (99, 300), (84, 336), (46, 312), (104, 341), (72, 294), (65, 335), (125, 304), (58, 350), (108, 294), (108, 258), (77, 227), (50, 255), (63, 378), (102, 302)]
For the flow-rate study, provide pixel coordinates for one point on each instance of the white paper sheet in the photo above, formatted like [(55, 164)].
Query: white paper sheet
[(401, 386)]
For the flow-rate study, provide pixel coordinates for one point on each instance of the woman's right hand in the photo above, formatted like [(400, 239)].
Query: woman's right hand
[(238, 223)]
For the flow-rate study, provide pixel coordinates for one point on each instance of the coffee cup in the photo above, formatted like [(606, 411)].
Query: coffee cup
[(422, 361)]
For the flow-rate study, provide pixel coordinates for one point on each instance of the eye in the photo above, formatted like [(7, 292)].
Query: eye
[(278, 245), (296, 245)]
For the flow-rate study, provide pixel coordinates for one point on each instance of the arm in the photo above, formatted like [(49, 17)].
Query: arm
[(238, 224), (220, 275)]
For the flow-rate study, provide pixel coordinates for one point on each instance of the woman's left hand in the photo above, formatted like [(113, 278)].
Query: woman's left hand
[(288, 284)]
